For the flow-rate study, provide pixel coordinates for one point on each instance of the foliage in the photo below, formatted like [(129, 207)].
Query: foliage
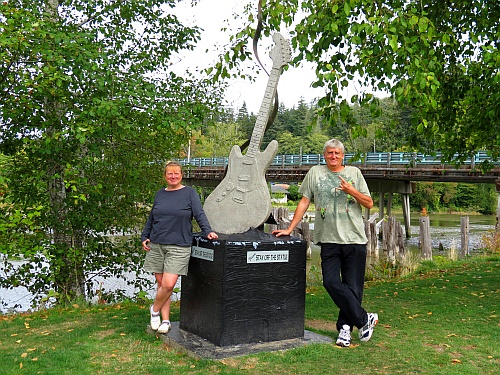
[(311, 143), (302, 130), (314, 278), (218, 139), (441, 60), (486, 199), (294, 195), (435, 196), (386, 270), (89, 111), (491, 241)]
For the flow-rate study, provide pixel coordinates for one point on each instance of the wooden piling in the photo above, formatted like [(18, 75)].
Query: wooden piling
[(464, 230), (388, 239), (392, 239), (425, 238), (372, 248)]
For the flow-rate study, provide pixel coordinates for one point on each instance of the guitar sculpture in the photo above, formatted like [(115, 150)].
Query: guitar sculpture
[(242, 200)]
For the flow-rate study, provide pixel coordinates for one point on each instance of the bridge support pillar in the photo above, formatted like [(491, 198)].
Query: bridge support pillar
[(381, 205), (389, 204), (405, 188), (405, 200)]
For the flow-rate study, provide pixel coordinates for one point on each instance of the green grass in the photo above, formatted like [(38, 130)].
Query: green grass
[(444, 321)]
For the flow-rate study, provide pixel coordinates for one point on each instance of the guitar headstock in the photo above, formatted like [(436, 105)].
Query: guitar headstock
[(281, 53)]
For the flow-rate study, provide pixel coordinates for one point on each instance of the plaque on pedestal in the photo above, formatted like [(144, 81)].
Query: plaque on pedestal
[(245, 288)]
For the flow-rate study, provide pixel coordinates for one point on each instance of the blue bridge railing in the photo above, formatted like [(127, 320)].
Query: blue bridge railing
[(396, 159)]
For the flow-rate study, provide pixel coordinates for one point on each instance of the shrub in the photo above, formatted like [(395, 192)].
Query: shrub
[(491, 241)]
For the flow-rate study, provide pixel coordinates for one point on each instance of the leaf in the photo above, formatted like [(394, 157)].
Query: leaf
[(393, 42), (347, 8), (423, 22)]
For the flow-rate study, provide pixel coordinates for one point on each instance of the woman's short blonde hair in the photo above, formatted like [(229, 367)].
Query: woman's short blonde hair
[(172, 164)]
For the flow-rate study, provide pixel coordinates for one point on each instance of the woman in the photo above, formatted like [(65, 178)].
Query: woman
[(167, 238)]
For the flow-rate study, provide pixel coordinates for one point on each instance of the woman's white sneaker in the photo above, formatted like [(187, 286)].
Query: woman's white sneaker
[(155, 320), (164, 327)]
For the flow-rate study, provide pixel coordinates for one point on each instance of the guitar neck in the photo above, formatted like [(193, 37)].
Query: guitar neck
[(263, 116)]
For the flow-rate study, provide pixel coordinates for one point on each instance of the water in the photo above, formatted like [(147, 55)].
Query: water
[(445, 235), (445, 231), (18, 299)]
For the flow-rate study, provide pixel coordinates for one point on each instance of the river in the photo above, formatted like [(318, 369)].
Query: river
[(445, 231), (445, 235)]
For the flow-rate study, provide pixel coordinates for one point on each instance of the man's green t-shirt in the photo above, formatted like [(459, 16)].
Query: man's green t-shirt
[(339, 217)]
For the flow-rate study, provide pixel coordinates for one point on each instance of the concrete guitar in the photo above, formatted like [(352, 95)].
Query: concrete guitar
[(242, 199)]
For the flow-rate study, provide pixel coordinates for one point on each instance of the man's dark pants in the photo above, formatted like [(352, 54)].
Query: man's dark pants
[(343, 268)]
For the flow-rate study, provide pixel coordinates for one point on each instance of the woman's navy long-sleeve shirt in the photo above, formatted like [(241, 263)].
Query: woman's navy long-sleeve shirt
[(170, 219)]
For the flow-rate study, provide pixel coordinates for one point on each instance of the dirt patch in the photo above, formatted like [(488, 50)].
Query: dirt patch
[(323, 325), (104, 333)]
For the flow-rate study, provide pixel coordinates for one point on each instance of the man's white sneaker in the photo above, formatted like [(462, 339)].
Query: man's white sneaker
[(164, 327), (155, 320), (344, 338), (365, 332)]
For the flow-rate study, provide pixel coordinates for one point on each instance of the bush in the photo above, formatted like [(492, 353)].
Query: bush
[(294, 195), (491, 241)]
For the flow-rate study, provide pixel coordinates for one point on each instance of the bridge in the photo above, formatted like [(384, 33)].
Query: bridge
[(395, 166), (384, 172)]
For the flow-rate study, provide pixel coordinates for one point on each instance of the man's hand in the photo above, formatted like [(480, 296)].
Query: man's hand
[(281, 232)]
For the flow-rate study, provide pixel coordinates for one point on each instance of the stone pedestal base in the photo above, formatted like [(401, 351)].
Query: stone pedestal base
[(245, 288)]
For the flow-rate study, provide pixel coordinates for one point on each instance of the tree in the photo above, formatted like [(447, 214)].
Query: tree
[(440, 59), (88, 112), (288, 144), (219, 139)]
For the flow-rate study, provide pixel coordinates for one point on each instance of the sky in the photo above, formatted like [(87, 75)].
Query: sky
[(211, 15)]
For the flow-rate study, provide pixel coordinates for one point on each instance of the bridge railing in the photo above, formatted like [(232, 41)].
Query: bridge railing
[(371, 158)]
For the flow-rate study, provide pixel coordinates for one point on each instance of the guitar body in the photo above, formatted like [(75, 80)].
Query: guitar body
[(242, 200)]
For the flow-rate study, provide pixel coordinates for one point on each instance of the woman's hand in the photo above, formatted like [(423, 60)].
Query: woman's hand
[(212, 236), (145, 245)]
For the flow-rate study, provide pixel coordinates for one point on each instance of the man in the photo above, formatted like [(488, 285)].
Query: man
[(339, 192)]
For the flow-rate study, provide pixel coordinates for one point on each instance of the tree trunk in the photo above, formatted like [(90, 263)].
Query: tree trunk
[(67, 261)]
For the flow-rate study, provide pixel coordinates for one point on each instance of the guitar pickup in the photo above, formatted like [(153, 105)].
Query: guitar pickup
[(239, 195), (244, 177)]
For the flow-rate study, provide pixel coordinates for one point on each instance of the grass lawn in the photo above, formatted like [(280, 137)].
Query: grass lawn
[(443, 321)]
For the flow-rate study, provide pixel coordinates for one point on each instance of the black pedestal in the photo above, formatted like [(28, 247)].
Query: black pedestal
[(245, 288)]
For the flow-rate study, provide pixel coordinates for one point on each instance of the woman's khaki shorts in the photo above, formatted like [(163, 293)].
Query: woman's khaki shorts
[(167, 259)]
